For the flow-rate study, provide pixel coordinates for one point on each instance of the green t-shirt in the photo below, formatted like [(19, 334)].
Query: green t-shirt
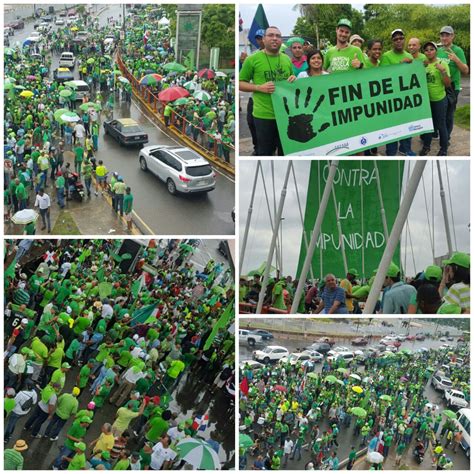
[(124, 417), (339, 60), (260, 68), (84, 376), (122, 465), (73, 348), (67, 405), (76, 431), (56, 357), (278, 296), (369, 65), (420, 57), (390, 58), (100, 398), (436, 87), (455, 73), (158, 426), (127, 203), (77, 463)]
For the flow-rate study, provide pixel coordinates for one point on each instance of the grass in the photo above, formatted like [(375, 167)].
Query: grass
[(65, 225), (462, 117)]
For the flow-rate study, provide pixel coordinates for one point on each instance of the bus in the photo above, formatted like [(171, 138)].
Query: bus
[(463, 424)]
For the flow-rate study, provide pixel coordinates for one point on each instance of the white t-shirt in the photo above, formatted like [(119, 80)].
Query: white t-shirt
[(17, 364), (304, 74), (42, 201), (160, 455), (288, 446), (21, 398), (175, 434), (80, 130), (45, 406)]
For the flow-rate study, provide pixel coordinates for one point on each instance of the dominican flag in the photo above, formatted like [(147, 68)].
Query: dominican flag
[(200, 423), (146, 37), (50, 257)]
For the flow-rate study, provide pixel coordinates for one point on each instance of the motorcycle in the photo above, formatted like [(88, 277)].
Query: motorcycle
[(76, 188), (419, 453)]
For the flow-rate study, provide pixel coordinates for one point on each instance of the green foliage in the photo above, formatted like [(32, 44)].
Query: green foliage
[(462, 117), (218, 23), (416, 20), (170, 13)]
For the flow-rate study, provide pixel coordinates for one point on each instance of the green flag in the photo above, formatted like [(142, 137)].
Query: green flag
[(143, 314), (86, 253), (100, 274), (10, 271), (105, 289), (137, 286), (222, 322)]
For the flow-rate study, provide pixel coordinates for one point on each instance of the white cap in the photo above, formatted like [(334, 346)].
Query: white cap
[(24, 321), (68, 310)]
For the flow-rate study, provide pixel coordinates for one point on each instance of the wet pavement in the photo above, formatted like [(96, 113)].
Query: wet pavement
[(346, 437), (157, 211)]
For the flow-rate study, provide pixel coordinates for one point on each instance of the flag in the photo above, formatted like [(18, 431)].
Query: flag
[(86, 253), (222, 322), (137, 286), (259, 22), (100, 274), (200, 423), (105, 289), (244, 386), (144, 313)]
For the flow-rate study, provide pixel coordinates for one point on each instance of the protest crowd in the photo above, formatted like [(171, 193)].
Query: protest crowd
[(297, 58), (436, 290), (52, 130), (295, 413), (86, 340)]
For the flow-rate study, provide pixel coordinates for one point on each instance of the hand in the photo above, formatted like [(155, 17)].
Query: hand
[(406, 60), (355, 63), (292, 78), (440, 68), (452, 57), (267, 88)]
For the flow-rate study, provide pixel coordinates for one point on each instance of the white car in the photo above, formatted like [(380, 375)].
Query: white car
[(36, 34), (59, 22), (271, 354), (296, 358), (455, 398), (253, 364), (249, 337), (346, 355), (67, 59), (441, 383), (315, 355)]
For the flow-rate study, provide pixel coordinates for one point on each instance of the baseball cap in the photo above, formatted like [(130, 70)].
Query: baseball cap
[(460, 259), (345, 22), (85, 419), (355, 37), (430, 43), (105, 455), (65, 365), (24, 321), (91, 405), (392, 270), (353, 271), (260, 32), (433, 273), (295, 39), (398, 30), (80, 445), (447, 29)]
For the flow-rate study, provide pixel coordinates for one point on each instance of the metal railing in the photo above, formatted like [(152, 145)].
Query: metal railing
[(217, 151)]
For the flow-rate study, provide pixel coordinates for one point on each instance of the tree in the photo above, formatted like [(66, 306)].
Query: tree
[(218, 23)]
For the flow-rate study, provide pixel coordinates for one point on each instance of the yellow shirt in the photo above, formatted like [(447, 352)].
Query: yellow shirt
[(101, 171), (347, 285), (105, 443)]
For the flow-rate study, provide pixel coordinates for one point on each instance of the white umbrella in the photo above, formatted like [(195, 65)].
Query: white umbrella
[(190, 85), (355, 376), (164, 21), (70, 118), (202, 95), (375, 457), (123, 79), (221, 74), (108, 40), (25, 216)]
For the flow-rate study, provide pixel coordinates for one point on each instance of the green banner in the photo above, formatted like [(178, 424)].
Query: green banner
[(344, 113), (359, 210)]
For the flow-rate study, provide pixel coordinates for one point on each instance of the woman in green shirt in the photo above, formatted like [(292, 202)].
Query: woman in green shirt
[(438, 78)]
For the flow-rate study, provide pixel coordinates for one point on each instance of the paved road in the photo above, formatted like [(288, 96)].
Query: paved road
[(198, 214)]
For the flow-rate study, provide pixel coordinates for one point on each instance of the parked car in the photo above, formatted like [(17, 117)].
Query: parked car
[(315, 355), (270, 354), (441, 383), (359, 341), (67, 59), (253, 364), (63, 74), (411, 338), (126, 131), (321, 347), (17, 24), (47, 18), (181, 168), (401, 337), (295, 358), (249, 337), (456, 399), (266, 336), (347, 356), (420, 337), (59, 21), (81, 88)]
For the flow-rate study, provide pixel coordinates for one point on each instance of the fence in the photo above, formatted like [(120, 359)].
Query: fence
[(219, 153)]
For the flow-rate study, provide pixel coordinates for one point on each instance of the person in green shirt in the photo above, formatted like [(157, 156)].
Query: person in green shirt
[(258, 75), (157, 426), (12, 458), (278, 295), (78, 159), (352, 458), (128, 207), (438, 79), (414, 48), (398, 55), (87, 174), (455, 58), (84, 373), (66, 407), (78, 461), (21, 195), (60, 189)]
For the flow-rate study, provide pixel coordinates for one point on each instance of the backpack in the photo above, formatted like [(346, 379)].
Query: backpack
[(27, 404)]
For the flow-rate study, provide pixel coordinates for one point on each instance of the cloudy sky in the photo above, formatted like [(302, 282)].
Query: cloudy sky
[(260, 234)]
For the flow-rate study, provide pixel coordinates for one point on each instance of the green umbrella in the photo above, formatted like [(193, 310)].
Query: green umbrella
[(449, 414), (340, 382), (342, 370), (330, 379), (90, 105), (90, 61), (312, 375), (211, 115), (57, 114), (176, 67), (181, 101), (70, 84), (198, 453), (202, 95), (66, 93), (386, 398), (359, 412), (245, 441)]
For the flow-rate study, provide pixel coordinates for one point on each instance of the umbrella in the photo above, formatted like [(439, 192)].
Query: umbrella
[(151, 79), (31, 78), (357, 389), (206, 73), (149, 57), (70, 117), (342, 370), (355, 376), (198, 453), (202, 95), (279, 388), (359, 412), (386, 398), (245, 441), (65, 93), (163, 21), (190, 85), (330, 379), (124, 80), (57, 114), (221, 74), (26, 94), (20, 87), (70, 84), (176, 67), (172, 93), (90, 105), (181, 101), (9, 51), (25, 216), (449, 414), (312, 375), (374, 457), (340, 382)]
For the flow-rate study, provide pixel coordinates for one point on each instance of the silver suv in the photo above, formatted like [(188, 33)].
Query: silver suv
[(182, 169)]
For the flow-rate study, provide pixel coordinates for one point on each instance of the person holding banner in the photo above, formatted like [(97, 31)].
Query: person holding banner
[(315, 61), (414, 48), (438, 77), (453, 56), (258, 75), (398, 55)]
